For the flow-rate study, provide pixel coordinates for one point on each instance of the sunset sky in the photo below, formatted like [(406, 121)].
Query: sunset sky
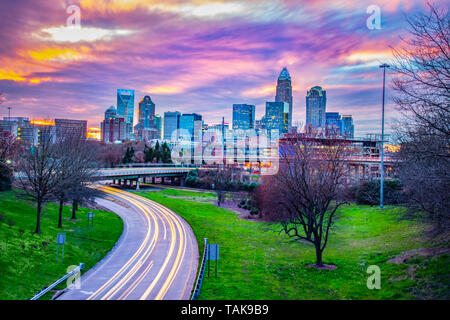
[(196, 56)]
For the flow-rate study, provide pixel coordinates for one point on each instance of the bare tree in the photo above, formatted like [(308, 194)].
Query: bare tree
[(76, 169), (308, 189), (219, 179), (422, 86), (38, 174)]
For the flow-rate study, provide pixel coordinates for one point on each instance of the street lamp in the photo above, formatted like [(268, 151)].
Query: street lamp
[(384, 66)]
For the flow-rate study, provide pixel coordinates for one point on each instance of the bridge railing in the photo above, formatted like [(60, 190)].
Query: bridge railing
[(198, 284), (54, 284)]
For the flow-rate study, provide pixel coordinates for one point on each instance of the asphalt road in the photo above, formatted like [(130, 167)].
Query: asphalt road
[(155, 258)]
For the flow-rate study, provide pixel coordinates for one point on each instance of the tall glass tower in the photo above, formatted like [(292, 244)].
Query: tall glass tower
[(284, 92), (125, 108), (243, 116), (146, 113), (171, 123), (316, 104)]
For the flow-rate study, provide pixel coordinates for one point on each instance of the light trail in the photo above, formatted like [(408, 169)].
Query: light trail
[(135, 276)]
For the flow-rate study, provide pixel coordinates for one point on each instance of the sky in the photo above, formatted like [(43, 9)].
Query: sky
[(197, 56)]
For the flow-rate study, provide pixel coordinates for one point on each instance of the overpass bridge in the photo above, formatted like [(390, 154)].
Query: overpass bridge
[(133, 174)]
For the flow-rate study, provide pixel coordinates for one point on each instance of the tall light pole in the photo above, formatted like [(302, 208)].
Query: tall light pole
[(384, 66)]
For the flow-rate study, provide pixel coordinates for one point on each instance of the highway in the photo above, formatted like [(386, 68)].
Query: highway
[(155, 258)]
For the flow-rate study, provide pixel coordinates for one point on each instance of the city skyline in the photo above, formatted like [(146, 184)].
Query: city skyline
[(198, 60)]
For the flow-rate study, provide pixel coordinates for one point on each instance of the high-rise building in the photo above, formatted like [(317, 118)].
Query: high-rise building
[(171, 123), (191, 122), (277, 116), (125, 108), (158, 125), (333, 122), (316, 102), (70, 128), (284, 92), (348, 129), (243, 116), (146, 113), (113, 128), (145, 129)]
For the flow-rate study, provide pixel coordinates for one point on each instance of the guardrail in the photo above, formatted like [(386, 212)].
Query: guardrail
[(54, 284), (198, 284)]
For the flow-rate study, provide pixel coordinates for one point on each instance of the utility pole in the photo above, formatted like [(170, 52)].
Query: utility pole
[(10, 129), (384, 66)]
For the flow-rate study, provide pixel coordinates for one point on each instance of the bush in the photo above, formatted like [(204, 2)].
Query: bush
[(5, 178), (369, 192), (11, 223)]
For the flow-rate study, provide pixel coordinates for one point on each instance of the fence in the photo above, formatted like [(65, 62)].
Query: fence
[(198, 284), (54, 284)]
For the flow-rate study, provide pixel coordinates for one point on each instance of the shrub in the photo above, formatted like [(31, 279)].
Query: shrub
[(368, 192), (10, 223)]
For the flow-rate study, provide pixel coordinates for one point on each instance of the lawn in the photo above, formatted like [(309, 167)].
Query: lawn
[(256, 262), (28, 260)]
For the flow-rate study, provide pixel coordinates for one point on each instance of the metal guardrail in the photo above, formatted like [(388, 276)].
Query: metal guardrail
[(54, 284), (198, 284)]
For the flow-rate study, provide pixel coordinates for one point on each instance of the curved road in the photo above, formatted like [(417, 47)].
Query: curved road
[(155, 258)]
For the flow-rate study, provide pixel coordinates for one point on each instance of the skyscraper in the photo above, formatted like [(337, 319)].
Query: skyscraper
[(284, 92), (145, 129), (125, 108), (348, 129), (158, 125), (171, 123), (113, 128), (316, 102), (243, 116), (146, 113), (277, 116), (190, 122), (333, 122)]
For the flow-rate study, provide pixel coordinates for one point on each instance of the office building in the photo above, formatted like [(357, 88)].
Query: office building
[(277, 116), (284, 92), (171, 124), (348, 129), (316, 101), (113, 128), (67, 128), (125, 108), (243, 116), (333, 122)]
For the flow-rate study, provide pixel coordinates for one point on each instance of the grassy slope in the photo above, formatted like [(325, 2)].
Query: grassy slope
[(256, 263), (26, 265)]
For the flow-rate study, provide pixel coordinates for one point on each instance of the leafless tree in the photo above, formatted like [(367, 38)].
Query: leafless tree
[(308, 189), (76, 170), (422, 86), (38, 174)]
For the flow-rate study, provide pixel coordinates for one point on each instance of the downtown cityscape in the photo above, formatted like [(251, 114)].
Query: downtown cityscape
[(241, 152)]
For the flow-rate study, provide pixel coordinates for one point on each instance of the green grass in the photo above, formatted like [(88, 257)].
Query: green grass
[(258, 263), (27, 264)]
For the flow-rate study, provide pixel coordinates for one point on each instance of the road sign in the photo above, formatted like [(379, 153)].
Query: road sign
[(60, 240), (91, 216), (213, 252)]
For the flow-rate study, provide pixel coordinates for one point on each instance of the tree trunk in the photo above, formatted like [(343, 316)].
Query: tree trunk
[(61, 204), (38, 222), (74, 209), (319, 262)]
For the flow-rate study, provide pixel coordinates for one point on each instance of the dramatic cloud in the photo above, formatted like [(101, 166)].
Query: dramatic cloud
[(196, 56)]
